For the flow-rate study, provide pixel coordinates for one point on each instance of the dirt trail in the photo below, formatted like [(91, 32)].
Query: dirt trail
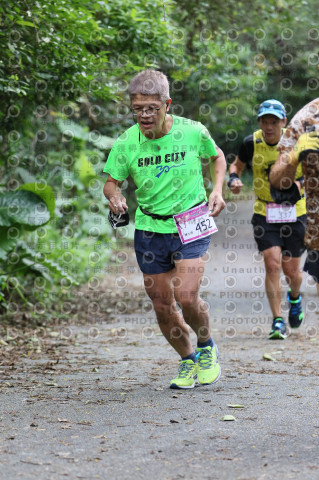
[(100, 407)]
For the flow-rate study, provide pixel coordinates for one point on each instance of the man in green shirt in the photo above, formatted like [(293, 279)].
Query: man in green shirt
[(162, 153)]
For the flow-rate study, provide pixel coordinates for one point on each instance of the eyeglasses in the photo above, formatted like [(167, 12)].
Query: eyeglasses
[(274, 106), (150, 111)]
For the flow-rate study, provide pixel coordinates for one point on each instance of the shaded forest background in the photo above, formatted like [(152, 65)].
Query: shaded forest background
[(64, 72)]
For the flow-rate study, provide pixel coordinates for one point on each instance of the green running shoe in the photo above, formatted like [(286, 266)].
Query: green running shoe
[(295, 313), (186, 375), (278, 329), (208, 369)]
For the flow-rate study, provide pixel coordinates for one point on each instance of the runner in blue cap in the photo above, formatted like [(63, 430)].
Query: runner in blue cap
[(278, 228), (300, 144)]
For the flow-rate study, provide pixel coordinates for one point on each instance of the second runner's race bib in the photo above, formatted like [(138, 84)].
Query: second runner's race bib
[(277, 213), (195, 223)]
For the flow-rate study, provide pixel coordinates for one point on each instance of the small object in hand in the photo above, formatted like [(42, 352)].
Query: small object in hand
[(119, 220)]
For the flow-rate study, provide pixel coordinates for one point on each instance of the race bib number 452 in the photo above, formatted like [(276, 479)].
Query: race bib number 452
[(195, 223)]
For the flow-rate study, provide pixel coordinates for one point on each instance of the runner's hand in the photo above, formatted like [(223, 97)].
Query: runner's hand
[(236, 185), (216, 203), (117, 203)]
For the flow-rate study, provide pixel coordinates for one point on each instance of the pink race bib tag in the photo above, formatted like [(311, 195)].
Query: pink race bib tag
[(276, 213), (195, 223)]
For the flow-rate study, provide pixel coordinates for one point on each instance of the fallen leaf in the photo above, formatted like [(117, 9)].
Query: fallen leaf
[(235, 405), (228, 418), (267, 356)]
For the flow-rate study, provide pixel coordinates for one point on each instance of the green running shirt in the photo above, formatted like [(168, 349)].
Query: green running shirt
[(166, 171)]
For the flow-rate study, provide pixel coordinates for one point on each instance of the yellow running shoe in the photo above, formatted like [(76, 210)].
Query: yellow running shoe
[(186, 375), (208, 368)]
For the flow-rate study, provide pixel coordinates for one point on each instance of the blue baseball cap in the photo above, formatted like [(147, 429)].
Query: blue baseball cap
[(272, 107)]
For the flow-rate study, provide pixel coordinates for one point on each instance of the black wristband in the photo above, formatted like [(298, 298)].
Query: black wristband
[(232, 177)]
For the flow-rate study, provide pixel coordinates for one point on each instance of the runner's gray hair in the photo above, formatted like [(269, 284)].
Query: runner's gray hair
[(150, 82)]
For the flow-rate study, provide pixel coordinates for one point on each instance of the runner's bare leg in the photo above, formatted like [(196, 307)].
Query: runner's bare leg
[(180, 285)]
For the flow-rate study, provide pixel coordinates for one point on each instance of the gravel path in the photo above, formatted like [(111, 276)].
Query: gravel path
[(100, 406)]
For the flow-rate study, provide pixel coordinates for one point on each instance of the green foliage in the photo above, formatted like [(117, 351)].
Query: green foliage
[(22, 208), (43, 191), (21, 211), (7, 244), (39, 263), (238, 54), (52, 52)]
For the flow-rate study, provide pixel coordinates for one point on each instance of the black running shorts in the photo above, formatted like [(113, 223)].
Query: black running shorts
[(288, 236)]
